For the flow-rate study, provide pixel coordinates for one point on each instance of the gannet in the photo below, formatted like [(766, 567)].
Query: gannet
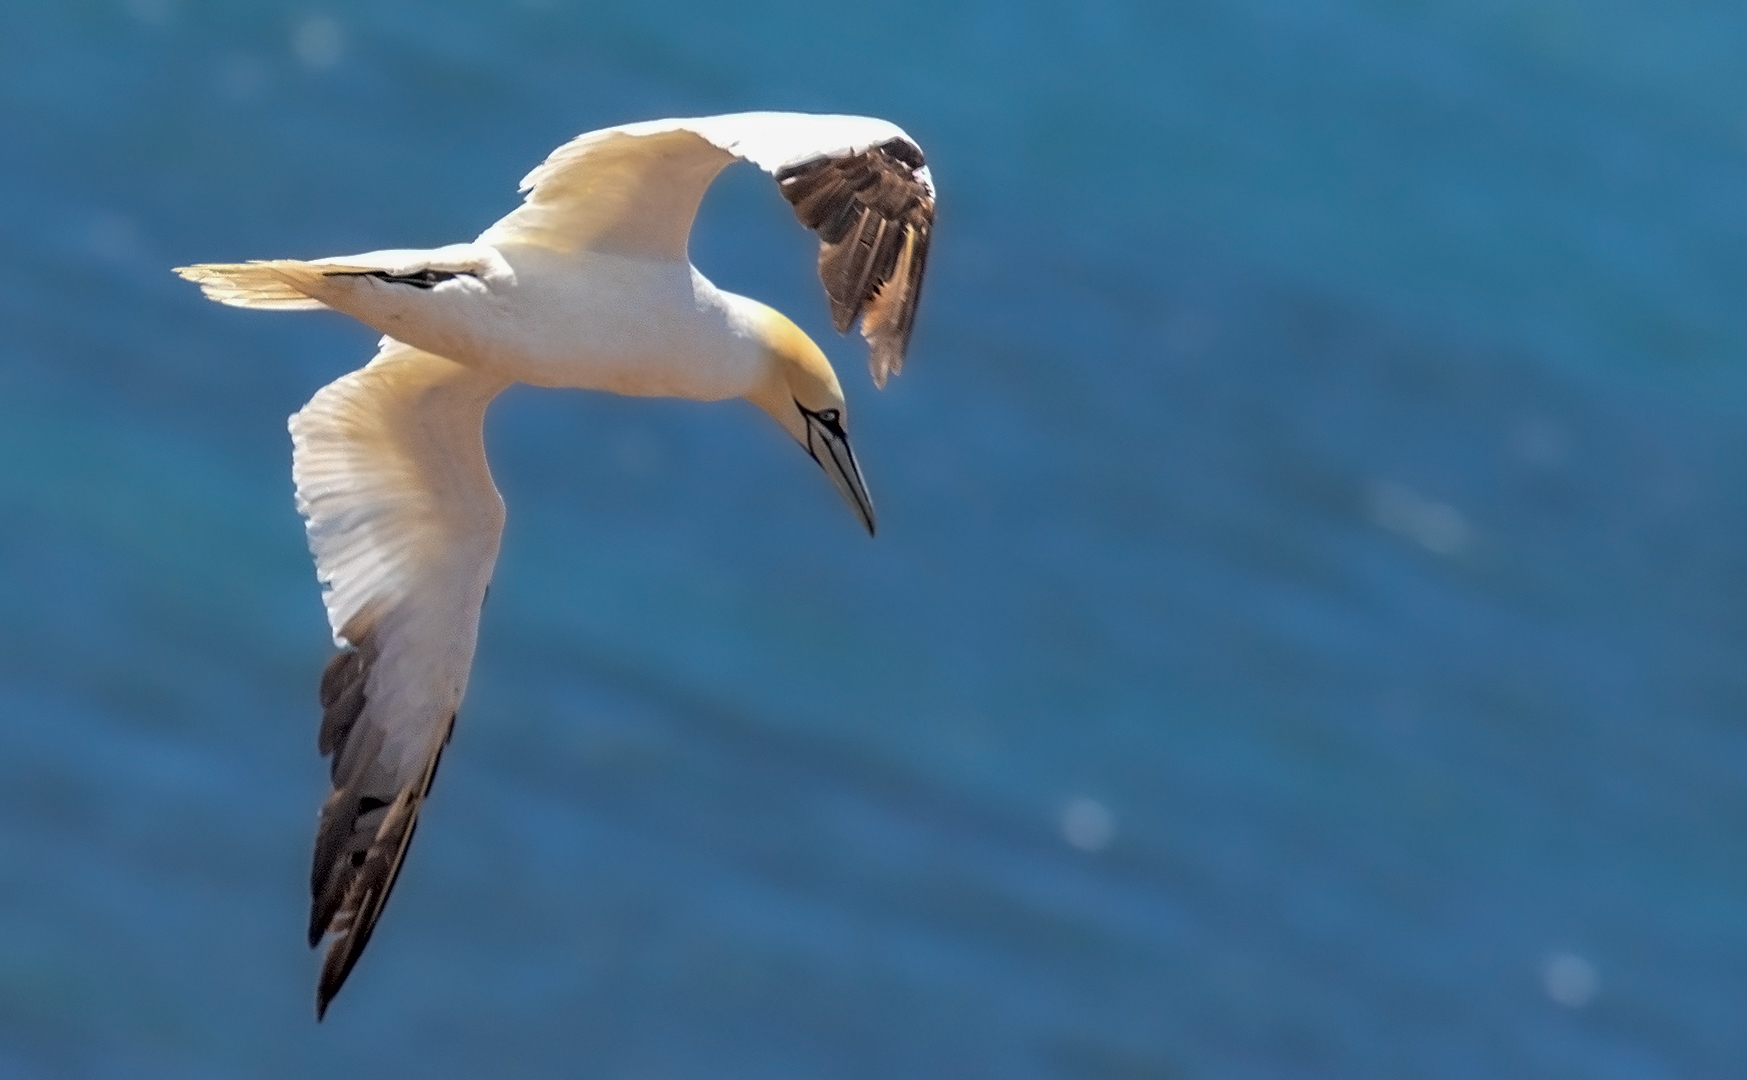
[(586, 284)]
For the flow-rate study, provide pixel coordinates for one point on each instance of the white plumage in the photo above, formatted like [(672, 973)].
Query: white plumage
[(587, 284)]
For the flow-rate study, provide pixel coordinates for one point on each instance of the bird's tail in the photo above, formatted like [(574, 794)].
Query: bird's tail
[(277, 285)]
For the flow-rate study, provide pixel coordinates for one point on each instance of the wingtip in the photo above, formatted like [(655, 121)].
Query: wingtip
[(342, 957), (325, 990), (883, 363)]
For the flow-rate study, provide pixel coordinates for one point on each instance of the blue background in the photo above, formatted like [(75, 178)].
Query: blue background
[(1304, 639)]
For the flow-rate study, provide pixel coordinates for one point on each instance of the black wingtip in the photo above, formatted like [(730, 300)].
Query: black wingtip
[(873, 214), (333, 977)]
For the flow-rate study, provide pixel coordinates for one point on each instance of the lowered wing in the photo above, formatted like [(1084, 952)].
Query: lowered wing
[(404, 523)]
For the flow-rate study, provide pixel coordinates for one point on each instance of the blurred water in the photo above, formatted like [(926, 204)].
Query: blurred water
[(1303, 638)]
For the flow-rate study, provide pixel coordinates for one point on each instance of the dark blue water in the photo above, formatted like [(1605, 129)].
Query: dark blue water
[(1304, 639)]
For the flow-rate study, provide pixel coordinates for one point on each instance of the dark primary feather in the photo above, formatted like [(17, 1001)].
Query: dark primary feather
[(367, 822), (873, 215)]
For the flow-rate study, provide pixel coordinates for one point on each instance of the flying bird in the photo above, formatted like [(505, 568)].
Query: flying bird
[(586, 284)]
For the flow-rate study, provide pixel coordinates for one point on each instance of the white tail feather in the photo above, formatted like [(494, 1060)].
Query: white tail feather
[(294, 284), (272, 285)]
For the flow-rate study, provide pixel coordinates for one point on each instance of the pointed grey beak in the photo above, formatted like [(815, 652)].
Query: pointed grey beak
[(829, 445)]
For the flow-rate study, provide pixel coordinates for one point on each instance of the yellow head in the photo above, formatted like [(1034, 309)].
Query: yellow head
[(800, 391)]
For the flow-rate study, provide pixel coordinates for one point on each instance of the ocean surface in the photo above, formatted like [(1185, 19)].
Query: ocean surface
[(1305, 636)]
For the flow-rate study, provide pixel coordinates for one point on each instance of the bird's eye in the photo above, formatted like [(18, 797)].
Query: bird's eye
[(829, 416)]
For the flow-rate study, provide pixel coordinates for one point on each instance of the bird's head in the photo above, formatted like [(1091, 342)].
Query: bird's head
[(800, 391)]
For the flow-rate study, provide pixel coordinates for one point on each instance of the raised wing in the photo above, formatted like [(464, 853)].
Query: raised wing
[(404, 523), (860, 183)]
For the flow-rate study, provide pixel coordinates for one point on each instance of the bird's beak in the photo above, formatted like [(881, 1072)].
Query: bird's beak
[(829, 445)]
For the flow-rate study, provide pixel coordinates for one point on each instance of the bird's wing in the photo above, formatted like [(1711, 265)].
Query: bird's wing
[(404, 523), (860, 183)]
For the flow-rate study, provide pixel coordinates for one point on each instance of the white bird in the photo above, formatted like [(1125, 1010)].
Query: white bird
[(587, 284)]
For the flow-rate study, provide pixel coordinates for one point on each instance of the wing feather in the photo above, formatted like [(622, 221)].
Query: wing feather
[(404, 523), (874, 212), (860, 183)]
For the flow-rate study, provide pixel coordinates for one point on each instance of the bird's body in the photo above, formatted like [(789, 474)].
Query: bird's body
[(627, 324), (587, 284)]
